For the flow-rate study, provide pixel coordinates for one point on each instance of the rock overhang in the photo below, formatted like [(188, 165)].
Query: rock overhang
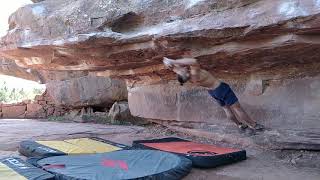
[(127, 39)]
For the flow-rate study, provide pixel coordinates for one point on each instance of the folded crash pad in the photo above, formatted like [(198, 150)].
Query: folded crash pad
[(16, 169), (125, 164), (68, 147), (201, 155)]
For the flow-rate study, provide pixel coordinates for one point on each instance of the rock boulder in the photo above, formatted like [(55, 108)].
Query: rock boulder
[(35, 111), (87, 91), (267, 50), (129, 38), (36, 1), (13, 111), (120, 112)]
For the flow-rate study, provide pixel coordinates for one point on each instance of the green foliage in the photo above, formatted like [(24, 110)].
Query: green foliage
[(13, 95), (58, 118)]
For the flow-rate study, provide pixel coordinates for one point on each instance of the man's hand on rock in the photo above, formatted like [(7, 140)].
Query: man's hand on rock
[(168, 63)]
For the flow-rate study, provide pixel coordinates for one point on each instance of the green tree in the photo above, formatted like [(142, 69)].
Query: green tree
[(23, 93), (37, 91), (3, 92), (8, 95)]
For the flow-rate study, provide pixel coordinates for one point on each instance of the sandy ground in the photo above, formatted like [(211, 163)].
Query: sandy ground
[(260, 165)]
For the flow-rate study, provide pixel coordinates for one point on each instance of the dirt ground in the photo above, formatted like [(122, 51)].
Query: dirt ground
[(260, 165)]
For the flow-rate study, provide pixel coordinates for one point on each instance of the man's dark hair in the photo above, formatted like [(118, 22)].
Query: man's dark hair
[(183, 79)]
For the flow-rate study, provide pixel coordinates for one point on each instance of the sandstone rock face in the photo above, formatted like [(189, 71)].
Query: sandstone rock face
[(120, 112), (172, 102), (129, 38), (41, 107), (13, 111), (35, 111), (10, 68), (87, 91), (36, 1), (284, 103)]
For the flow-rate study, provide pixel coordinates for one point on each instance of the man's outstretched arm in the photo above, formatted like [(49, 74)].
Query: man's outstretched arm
[(180, 62), (176, 65)]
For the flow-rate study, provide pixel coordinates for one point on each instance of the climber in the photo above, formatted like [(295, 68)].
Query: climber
[(189, 69)]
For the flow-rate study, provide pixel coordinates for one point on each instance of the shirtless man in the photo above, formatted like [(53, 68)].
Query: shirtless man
[(189, 69)]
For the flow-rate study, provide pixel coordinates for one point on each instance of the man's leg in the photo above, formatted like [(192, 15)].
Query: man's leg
[(230, 115), (230, 99), (242, 115), (218, 95)]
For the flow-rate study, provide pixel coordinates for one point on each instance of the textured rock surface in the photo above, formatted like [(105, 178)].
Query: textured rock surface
[(13, 111), (10, 68), (120, 112), (35, 110), (172, 103), (36, 1), (42, 107), (61, 96), (87, 91), (228, 37)]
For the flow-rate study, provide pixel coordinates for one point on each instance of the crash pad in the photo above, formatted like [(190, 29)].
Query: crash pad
[(12, 168), (125, 164), (201, 155), (68, 147)]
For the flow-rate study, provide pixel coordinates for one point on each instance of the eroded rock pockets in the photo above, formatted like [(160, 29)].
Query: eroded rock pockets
[(233, 37)]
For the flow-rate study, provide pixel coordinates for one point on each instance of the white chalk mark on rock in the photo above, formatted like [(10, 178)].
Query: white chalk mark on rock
[(292, 9), (317, 3), (38, 10), (193, 2)]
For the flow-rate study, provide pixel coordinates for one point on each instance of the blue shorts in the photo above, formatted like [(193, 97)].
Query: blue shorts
[(224, 95)]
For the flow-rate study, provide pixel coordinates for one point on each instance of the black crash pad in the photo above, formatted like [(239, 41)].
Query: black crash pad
[(12, 168), (125, 164)]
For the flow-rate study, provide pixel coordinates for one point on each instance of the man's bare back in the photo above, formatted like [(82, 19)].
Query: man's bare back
[(206, 79), (190, 69)]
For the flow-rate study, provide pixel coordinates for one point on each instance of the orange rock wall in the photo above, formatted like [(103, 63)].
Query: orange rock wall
[(41, 107)]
